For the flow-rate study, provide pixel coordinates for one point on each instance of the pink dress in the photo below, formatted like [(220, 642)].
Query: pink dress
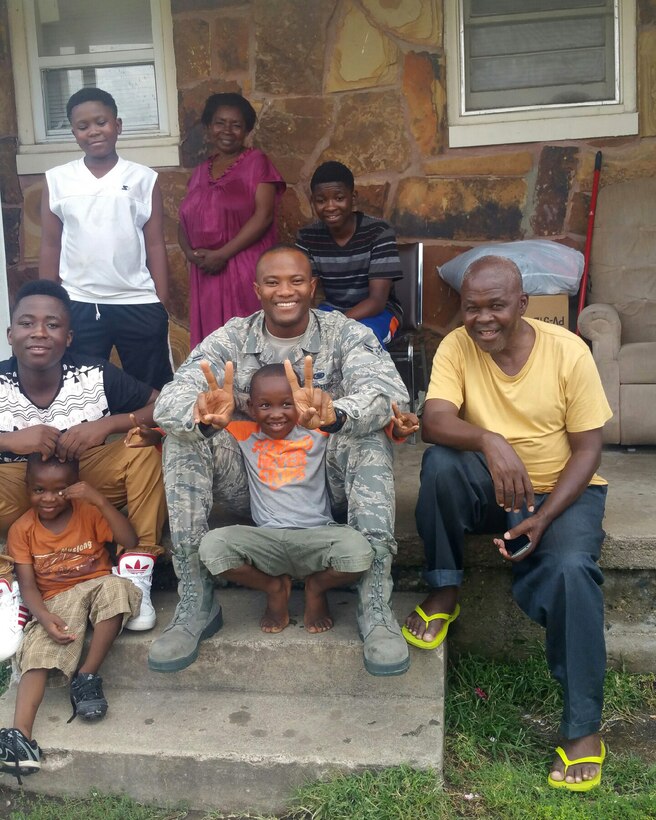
[(212, 213)]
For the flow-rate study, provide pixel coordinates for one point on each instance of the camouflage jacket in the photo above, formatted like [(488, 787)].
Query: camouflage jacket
[(349, 364)]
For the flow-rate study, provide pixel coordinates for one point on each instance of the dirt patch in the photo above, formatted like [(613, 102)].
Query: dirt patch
[(638, 737)]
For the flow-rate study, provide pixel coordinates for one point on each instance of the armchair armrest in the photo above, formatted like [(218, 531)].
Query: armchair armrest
[(601, 324)]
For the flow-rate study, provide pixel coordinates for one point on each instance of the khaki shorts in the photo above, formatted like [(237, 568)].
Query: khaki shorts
[(295, 552), (98, 599)]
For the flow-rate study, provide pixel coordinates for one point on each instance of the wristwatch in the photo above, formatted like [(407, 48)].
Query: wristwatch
[(336, 426)]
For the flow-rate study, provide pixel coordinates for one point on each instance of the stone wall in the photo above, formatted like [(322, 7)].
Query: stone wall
[(361, 81)]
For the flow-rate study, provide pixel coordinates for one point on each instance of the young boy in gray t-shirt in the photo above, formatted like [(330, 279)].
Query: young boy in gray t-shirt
[(295, 536)]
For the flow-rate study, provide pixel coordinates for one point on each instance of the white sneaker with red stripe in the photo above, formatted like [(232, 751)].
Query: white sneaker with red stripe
[(13, 617), (138, 568)]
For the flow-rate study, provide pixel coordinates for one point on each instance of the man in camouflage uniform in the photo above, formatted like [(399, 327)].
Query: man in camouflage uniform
[(348, 364)]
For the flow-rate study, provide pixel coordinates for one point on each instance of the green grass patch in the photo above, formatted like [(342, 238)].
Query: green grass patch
[(498, 711), (496, 790), (501, 723), (93, 807), (625, 694), (520, 790), (400, 793)]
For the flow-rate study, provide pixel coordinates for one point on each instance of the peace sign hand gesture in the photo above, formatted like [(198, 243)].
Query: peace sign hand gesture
[(217, 404), (314, 406)]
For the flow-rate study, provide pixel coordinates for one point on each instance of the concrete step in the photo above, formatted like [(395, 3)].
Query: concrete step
[(233, 751), (241, 658), (233, 748), (486, 597)]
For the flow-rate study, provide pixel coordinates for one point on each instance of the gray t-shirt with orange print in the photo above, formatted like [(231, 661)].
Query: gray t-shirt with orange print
[(286, 477)]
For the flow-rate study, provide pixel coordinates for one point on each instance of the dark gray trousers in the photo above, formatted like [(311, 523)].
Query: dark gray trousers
[(558, 586)]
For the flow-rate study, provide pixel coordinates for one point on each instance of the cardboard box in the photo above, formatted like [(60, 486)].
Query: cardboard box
[(553, 309)]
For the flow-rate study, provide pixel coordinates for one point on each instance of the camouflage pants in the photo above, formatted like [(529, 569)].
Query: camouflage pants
[(359, 472)]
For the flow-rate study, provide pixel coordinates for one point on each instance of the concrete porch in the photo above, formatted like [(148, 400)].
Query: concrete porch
[(257, 715), (252, 719)]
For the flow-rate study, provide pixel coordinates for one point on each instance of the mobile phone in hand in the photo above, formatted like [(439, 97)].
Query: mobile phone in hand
[(517, 546)]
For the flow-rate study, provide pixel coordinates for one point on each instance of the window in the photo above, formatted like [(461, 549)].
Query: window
[(122, 46), (532, 70)]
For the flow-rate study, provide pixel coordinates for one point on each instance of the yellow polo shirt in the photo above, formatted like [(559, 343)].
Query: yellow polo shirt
[(558, 391)]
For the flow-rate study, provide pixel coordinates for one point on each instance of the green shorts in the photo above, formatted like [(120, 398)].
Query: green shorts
[(295, 552)]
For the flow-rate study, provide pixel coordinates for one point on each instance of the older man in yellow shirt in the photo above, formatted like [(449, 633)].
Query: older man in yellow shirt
[(515, 408)]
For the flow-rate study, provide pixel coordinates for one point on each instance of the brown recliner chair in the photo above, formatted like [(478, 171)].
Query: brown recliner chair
[(620, 319)]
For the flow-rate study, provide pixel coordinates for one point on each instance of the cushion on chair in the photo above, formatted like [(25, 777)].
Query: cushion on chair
[(638, 363), (637, 402)]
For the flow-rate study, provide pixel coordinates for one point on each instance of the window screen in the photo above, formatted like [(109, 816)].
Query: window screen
[(529, 53)]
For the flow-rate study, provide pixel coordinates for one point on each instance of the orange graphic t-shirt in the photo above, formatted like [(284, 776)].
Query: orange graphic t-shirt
[(62, 560)]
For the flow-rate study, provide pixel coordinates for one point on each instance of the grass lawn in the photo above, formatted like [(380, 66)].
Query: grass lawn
[(501, 721)]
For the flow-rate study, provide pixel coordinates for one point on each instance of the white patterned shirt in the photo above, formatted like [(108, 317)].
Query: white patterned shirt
[(90, 389)]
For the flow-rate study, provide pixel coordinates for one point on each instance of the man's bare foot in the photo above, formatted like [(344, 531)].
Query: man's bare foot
[(317, 614), (276, 614), (443, 599), (588, 746)]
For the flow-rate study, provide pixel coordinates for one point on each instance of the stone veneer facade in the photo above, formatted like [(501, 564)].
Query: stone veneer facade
[(363, 82)]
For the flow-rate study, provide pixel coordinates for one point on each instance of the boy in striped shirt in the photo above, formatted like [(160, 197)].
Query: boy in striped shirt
[(354, 255)]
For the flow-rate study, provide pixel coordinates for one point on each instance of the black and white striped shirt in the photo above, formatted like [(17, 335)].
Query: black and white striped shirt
[(345, 271)]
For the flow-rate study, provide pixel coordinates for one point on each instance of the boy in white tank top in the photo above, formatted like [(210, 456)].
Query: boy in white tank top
[(102, 237)]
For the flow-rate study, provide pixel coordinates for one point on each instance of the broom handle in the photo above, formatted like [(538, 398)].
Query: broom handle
[(588, 239)]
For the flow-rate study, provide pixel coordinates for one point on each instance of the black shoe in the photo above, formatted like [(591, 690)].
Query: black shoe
[(18, 755), (87, 697)]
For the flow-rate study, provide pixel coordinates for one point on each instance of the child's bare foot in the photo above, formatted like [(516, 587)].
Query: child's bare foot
[(317, 614), (276, 614)]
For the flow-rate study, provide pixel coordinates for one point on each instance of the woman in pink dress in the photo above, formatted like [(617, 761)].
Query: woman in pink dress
[(227, 219)]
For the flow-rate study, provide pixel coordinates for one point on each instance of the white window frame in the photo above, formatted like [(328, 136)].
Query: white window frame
[(38, 153), (5, 348), (542, 123)]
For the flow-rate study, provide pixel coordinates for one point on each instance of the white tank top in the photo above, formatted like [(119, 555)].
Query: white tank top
[(103, 253)]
